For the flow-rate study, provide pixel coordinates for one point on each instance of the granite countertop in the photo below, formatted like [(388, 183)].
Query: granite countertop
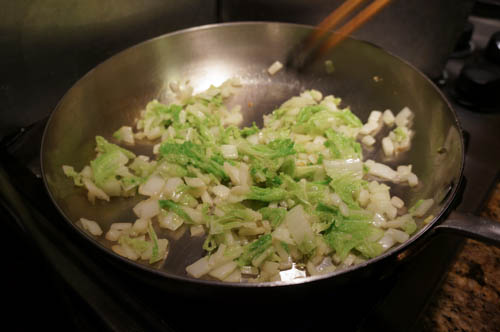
[(469, 297)]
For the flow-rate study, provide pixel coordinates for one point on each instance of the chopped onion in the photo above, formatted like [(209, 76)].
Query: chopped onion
[(233, 172), (229, 151), (197, 230), (363, 197), (249, 270), (140, 227), (153, 186), (412, 180), (381, 170), (235, 276), (387, 146), (388, 117), (397, 202), (397, 235), (194, 214), (282, 234), (221, 191), (169, 220), (387, 241), (125, 134), (125, 251), (198, 268), (368, 140), (428, 219), (404, 118), (224, 270), (117, 229), (94, 191), (274, 68), (206, 198), (423, 207), (270, 267), (91, 226), (194, 182), (378, 220), (147, 209), (344, 209), (373, 125), (172, 184)]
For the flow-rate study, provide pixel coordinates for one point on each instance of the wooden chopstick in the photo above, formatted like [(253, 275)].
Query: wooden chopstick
[(353, 24), (332, 20), (306, 50)]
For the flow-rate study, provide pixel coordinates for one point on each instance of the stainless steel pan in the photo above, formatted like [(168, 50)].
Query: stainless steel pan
[(365, 77)]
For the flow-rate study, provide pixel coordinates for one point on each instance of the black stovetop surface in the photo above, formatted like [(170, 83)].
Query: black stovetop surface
[(49, 282)]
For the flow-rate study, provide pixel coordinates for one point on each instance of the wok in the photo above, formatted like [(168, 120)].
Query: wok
[(365, 77)]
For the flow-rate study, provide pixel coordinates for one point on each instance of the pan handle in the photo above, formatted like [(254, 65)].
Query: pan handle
[(472, 226)]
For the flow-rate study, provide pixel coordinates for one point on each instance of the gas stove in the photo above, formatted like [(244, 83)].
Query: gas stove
[(51, 283)]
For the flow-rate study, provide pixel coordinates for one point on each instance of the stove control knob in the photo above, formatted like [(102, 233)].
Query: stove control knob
[(492, 52), (478, 86)]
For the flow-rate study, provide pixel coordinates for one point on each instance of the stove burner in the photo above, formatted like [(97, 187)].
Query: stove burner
[(478, 82), (477, 87), (492, 52), (465, 46)]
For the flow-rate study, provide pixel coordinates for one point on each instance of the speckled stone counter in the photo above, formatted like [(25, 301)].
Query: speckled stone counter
[(469, 297)]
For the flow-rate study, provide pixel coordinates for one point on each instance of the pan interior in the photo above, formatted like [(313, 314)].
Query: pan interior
[(365, 77)]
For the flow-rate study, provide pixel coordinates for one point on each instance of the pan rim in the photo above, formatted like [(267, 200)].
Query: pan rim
[(165, 274)]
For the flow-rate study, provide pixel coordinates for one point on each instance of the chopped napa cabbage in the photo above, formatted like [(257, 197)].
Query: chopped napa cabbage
[(274, 215), (410, 226), (157, 117), (420, 208), (142, 166), (297, 222), (307, 112), (106, 165), (406, 223), (138, 244), (175, 208), (124, 134), (346, 234), (255, 249), (342, 147), (189, 153), (310, 172), (266, 194), (349, 118), (292, 193), (288, 167), (234, 216), (344, 167), (109, 170), (155, 255), (273, 150), (103, 146), (305, 192), (248, 131), (347, 187), (69, 171), (169, 170)]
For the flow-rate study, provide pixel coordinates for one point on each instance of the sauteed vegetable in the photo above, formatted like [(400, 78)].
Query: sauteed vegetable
[(292, 198)]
